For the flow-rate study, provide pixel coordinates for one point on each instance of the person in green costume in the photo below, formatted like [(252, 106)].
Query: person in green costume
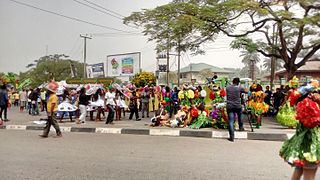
[(302, 151)]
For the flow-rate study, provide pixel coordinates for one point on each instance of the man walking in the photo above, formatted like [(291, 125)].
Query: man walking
[(234, 106), (4, 100), (52, 111)]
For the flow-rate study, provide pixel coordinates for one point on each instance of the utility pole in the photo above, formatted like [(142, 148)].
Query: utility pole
[(179, 55), (85, 37), (168, 58), (273, 59)]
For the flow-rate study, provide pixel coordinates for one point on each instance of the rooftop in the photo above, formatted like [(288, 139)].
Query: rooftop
[(197, 67)]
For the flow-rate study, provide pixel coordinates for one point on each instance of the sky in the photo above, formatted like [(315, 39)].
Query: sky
[(28, 34)]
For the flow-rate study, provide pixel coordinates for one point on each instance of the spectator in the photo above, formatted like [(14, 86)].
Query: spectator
[(267, 99), (145, 98), (34, 101), (278, 97), (16, 98), (43, 96), (23, 99), (4, 101), (234, 106), (29, 94), (174, 102)]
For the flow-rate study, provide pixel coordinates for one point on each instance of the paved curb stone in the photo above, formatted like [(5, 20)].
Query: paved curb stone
[(206, 134), (164, 132), (135, 131), (267, 137)]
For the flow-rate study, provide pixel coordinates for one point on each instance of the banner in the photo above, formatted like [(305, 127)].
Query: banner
[(95, 70), (123, 64)]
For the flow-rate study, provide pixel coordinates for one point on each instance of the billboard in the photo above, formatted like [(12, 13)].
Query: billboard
[(95, 70), (123, 64)]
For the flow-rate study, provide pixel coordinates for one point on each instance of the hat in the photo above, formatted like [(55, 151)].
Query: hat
[(53, 86), (60, 91)]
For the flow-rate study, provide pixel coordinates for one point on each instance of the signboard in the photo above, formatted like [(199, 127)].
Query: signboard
[(95, 70), (123, 64)]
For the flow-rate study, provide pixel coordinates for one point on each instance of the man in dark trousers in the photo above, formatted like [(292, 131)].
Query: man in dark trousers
[(52, 108), (3, 102), (234, 106)]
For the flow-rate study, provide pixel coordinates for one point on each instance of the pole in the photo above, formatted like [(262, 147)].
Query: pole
[(168, 63), (273, 59), (85, 37), (179, 54)]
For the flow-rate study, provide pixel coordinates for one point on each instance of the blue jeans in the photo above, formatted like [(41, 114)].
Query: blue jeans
[(231, 114)]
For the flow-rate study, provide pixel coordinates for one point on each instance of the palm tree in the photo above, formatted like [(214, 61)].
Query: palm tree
[(267, 64), (250, 59)]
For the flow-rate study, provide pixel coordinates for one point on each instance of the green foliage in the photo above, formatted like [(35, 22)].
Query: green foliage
[(194, 22), (55, 67), (144, 78)]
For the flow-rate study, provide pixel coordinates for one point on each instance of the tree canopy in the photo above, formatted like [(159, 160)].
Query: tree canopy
[(296, 26), (56, 67), (143, 79)]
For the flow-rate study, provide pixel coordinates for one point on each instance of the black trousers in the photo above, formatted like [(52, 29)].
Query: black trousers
[(3, 109), (134, 111), (111, 112)]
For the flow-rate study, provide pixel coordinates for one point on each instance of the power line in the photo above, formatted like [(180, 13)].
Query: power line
[(68, 17), (104, 12), (104, 8)]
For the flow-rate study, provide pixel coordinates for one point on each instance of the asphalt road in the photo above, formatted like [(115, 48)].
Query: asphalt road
[(23, 155)]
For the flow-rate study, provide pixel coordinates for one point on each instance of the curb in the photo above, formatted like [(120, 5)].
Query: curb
[(164, 132)]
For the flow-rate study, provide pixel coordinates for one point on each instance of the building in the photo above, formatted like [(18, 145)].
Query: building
[(196, 72), (311, 70)]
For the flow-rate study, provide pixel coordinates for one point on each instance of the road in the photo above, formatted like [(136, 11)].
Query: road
[(23, 155)]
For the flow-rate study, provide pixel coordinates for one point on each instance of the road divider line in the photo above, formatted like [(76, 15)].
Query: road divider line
[(164, 132), (109, 130), (16, 127), (220, 134)]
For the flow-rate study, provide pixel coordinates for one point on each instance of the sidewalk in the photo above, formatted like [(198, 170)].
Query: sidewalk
[(270, 130)]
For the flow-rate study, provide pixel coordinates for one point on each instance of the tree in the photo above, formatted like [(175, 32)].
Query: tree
[(295, 22), (206, 73), (56, 67), (144, 78), (250, 59), (267, 64)]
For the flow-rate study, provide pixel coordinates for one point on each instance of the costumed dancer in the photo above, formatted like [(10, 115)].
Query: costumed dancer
[(98, 103), (111, 103), (133, 106), (302, 151), (161, 116), (83, 103), (65, 106)]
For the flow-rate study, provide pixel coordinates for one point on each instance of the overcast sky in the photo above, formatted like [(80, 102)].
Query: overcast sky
[(28, 34)]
